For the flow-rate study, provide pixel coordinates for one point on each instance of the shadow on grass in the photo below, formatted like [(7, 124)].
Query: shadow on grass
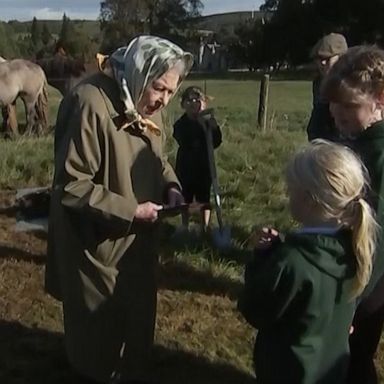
[(175, 367), (181, 275), (178, 276), (7, 252), (36, 356), (173, 241)]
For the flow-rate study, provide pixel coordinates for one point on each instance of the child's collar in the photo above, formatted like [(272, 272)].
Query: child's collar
[(191, 117), (317, 230)]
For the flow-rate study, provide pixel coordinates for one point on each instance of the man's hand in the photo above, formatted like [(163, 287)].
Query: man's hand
[(147, 211)]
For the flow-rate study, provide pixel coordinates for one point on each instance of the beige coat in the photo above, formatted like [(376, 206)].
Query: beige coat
[(101, 263)]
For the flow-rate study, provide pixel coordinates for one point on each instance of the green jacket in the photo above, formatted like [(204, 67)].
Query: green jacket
[(299, 298), (370, 147)]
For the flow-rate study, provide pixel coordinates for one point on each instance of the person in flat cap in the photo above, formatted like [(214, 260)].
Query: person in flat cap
[(325, 53)]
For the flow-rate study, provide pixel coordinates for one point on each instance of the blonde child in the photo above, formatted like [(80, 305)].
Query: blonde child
[(300, 294), (355, 88)]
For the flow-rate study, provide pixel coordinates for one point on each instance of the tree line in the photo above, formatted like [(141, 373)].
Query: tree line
[(283, 32), (38, 39), (289, 29), (119, 21)]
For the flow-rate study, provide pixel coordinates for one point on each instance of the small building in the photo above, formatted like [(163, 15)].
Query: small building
[(211, 55)]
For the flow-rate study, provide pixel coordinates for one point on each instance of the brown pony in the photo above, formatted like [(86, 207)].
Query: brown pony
[(24, 79), (62, 72)]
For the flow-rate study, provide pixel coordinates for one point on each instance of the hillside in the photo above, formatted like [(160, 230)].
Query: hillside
[(228, 21), (89, 26), (215, 23)]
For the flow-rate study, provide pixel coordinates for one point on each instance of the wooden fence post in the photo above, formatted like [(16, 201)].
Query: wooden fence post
[(263, 104)]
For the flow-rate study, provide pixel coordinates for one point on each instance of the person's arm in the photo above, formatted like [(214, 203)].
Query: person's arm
[(320, 124), (216, 133), (269, 288), (181, 135), (177, 133), (169, 177), (315, 123), (82, 190), (171, 186)]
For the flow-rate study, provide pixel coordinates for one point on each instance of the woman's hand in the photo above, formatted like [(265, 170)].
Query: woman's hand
[(175, 197), (265, 238), (148, 211)]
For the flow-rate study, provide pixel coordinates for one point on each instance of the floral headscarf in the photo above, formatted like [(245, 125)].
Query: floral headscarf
[(144, 60)]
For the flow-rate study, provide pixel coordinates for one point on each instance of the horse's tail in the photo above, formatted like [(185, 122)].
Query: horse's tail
[(42, 107)]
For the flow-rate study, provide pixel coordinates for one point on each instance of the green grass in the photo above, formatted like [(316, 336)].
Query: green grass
[(26, 162), (200, 337), (54, 98)]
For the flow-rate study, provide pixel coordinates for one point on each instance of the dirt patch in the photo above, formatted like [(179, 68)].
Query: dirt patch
[(17, 245), (198, 327)]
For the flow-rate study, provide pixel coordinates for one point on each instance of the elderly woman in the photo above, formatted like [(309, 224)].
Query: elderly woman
[(110, 180)]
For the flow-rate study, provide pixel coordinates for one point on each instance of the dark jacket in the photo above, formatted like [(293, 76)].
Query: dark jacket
[(370, 147), (192, 156), (321, 124), (299, 298)]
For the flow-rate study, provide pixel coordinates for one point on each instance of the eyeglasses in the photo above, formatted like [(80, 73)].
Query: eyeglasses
[(193, 100)]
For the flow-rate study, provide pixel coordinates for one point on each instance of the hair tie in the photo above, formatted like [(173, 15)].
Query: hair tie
[(358, 198)]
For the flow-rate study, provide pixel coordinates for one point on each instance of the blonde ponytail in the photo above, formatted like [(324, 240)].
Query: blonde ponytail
[(364, 234), (335, 179)]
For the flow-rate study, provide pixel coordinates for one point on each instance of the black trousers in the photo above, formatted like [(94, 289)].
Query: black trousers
[(363, 345)]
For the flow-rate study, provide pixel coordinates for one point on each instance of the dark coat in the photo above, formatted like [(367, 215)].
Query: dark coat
[(370, 147), (321, 124), (192, 156)]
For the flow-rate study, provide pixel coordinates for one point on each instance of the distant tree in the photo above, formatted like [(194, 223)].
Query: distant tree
[(83, 46), (123, 19), (296, 25), (291, 31), (35, 32), (65, 29), (248, 47), (73, 39), (270, 5), (169, 18), (8, 46), (25, 47), (46, 35), (360, 21), (120, 21)]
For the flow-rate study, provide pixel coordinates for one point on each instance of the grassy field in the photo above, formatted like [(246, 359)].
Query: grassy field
[(200, 336)]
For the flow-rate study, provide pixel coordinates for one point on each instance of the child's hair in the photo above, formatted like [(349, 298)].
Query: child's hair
[(193, 92), (336, 181), (357, 74)]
